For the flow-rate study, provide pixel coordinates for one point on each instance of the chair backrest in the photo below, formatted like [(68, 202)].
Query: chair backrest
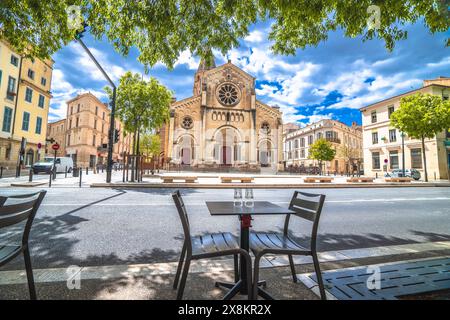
[(307, 206), (181, 208), (12, 214)]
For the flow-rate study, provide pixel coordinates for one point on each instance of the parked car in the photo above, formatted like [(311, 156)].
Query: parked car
[(46, 165), (409, 173)]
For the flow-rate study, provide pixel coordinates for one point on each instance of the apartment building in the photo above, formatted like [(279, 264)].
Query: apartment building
[(383, 150), (25, 86), (346, 140), (86, 132), (57, 131)]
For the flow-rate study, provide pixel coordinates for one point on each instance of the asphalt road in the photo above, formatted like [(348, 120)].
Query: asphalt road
[(105, 227)]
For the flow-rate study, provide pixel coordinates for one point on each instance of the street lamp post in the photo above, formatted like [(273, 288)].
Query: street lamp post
[(403, 153), (113, 107)]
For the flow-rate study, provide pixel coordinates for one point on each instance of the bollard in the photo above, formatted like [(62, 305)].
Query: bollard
[(30, 177), (65, 173), (50, 180), (376, 175), (87, 170), (1, 172), (435, 176), (81, 173), (54, 173)]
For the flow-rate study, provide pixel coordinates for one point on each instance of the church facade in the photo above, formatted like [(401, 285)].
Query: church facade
[(223, 124)]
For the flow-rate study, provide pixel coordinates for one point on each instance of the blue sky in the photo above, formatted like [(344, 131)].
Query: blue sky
[(332, 80)]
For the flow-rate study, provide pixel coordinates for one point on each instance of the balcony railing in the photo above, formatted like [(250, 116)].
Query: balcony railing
[(334, 140)]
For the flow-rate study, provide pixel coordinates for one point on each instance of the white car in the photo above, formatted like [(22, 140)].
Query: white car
[(46, 165)]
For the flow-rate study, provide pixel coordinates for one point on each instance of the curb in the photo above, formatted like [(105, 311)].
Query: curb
[(266, 186)]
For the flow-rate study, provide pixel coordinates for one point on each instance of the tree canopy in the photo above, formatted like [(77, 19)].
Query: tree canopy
[(141, 104), (322, 150), (162, 29), (150, 144), (422, 116)]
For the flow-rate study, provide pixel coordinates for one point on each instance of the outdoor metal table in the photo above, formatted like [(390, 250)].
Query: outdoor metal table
[(227, 208)]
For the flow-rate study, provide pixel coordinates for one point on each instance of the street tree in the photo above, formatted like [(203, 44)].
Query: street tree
[(162, 30), (349, 154), (142, 105), (422, 116), (322, 150), (151, 146)]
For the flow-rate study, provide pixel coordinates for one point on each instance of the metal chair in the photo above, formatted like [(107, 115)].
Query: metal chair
[(306, 206), (13, 214), (204, 247)]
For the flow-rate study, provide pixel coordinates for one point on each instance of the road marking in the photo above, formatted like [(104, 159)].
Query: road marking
[(192, 203), (209, 266)]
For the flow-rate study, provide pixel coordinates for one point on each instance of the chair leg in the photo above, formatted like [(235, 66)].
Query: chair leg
[(291, 263), (183, 279), (251, 296), (319, 276), (29, 270), (180, 265), (256, 277), (236, 268)]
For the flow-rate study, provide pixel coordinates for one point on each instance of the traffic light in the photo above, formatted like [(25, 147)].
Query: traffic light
[(116, 135)]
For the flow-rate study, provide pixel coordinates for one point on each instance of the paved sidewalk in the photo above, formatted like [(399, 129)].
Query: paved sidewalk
[(153, 281)]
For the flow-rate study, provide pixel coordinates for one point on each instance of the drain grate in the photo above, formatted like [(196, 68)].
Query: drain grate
[(396, 279)]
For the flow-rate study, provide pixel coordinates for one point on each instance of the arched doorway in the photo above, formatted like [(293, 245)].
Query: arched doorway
[(265, 153), (227, 150), (186, 149)]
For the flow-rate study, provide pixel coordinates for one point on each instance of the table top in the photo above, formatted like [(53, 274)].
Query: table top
[(227, 208)]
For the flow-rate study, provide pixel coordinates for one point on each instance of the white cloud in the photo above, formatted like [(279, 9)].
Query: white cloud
[(188, 59), (444, 62), (255, 36)]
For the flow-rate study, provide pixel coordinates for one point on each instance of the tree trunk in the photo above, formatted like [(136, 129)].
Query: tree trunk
[(424, 160)]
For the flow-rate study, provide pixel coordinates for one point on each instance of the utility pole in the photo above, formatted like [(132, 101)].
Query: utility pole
[(113, 105), (403, 153)]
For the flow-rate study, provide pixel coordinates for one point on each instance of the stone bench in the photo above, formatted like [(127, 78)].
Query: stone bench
[(318, 179), (187, 179), (398, 179), (360, 179), (240, 179)]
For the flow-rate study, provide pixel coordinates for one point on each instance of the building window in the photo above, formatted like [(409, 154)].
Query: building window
[(96, 111), (31, 74), (29, 95), (265, 127), (391, 110), (78, 108), (95, 124), (374, 137), (41, 102), (68, 140), (1, 73), (376, 160), (14, 60), (393, 159), (7, 118), (302, 153), (310, 140), (43, 81), (296, 144), (93, 141), (374, 116), (26, 121), (187, 123), (11, 92), (302, 142), (38, 125), (393, 135), (416, 158), (70, 124), (78, 122), (103, 116), (71, 110)]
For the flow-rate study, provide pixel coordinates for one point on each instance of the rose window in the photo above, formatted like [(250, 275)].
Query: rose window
[(187, 123), (228, 94), (265, 127)]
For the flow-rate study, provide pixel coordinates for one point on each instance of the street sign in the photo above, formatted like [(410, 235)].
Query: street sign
[(385, 160), (55, 147), (39, 145)]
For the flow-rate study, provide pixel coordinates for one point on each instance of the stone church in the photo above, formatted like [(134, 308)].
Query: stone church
[(223, 125)]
